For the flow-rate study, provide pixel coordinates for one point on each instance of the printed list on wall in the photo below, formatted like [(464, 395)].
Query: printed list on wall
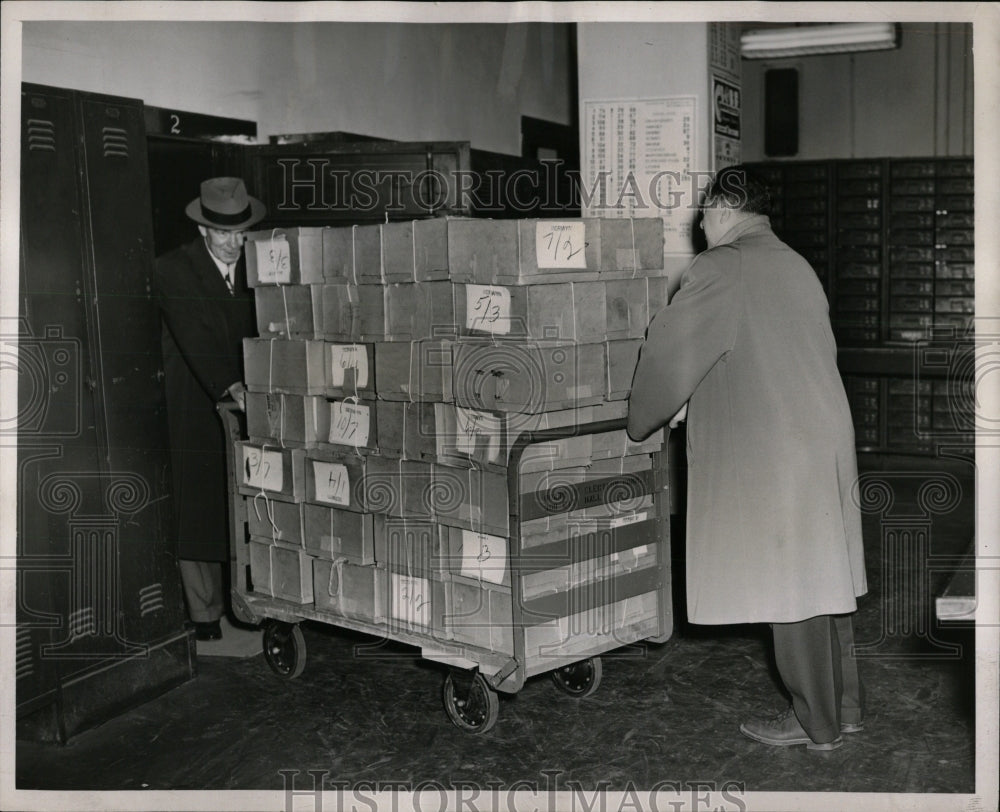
[(638, 160)]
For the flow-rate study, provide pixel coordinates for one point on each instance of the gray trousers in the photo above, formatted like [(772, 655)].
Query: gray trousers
[(817, 665), (202, 582)]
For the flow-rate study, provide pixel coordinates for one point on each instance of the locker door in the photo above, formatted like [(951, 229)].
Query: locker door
[(146, 597), (57, 443)]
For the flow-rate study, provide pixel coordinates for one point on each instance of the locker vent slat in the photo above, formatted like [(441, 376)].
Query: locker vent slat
[(25, 663), (115, 142), (150, 599), (41, 135)]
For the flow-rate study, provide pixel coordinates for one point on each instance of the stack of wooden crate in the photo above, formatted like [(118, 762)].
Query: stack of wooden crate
[(395, 366)]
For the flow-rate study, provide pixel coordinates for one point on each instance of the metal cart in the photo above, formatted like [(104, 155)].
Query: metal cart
[(477, 672)]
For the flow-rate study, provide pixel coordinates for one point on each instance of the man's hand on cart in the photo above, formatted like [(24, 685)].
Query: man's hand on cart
[(238, 393), (680, 417)]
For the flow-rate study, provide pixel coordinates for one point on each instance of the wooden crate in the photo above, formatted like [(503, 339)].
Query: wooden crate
[(279, 523), (331, 533), (288, 366), (350, 590), (287, 420), (292, 311)]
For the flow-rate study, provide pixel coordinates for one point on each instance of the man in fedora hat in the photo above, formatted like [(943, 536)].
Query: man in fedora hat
[(207, 311)]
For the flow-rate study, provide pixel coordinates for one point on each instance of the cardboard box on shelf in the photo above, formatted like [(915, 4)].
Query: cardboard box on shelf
[(284, 256), (627, 313), (481, 251)]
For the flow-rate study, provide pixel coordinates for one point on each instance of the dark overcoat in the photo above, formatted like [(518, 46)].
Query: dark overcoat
[(203, 330), (773, 528)]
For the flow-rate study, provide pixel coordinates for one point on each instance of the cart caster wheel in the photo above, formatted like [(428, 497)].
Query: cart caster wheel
[(579, 679), (284, 648), (477, 711)]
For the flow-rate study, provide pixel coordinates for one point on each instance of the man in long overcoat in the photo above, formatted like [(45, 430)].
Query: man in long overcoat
[(773, 532), (207, 311)]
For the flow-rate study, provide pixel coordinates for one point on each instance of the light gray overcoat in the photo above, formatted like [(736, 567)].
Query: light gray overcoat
[(773, 534)]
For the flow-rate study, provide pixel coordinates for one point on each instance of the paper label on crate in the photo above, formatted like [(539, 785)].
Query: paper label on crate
[(348, 356), (410, 599), (274, 262), (262, 469), (621, 521), (332, 483), (487, 308), (470, 426), (560, 244), (349, 423), (484, 556)]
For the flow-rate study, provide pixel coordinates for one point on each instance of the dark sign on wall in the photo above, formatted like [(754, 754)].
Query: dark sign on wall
[(163, 121)]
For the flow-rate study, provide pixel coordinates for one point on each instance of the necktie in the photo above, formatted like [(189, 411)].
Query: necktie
[(229, 278)]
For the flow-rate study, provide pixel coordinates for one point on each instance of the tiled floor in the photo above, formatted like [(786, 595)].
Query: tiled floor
[(663, 712)]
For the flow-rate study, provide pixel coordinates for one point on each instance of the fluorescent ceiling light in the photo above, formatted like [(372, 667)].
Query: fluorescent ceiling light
[(827, 38)]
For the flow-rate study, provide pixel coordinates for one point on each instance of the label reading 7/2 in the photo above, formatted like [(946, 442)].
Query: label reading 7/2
[(262, 469), (560, 244)]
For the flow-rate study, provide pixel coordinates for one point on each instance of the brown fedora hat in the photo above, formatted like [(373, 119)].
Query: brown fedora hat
[(225, 204)]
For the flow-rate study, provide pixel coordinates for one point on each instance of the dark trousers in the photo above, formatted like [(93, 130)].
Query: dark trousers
[(816, 662)]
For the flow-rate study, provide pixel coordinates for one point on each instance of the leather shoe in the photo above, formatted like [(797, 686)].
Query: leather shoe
[(209, 630), (784, 730), (852, 727)]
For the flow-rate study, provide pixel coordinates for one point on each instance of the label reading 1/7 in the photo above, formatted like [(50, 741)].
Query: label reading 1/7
[(262, 469), (349, 424), (484, 556), (560, 244), (348, 356), (333, 485), (487, 308), (274, 262)]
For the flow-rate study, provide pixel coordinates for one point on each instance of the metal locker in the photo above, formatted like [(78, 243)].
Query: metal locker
[(100, 610)]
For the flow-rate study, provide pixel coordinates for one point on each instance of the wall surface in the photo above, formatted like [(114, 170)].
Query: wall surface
[(916, 100), (452, 82)]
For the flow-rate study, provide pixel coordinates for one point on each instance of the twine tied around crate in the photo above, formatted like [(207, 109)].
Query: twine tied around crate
[(337, 566), (270, 365), (354, 401), (284, 304), (409, 377), (354, 261), (635, 259), (268, 511), (413, 246)]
